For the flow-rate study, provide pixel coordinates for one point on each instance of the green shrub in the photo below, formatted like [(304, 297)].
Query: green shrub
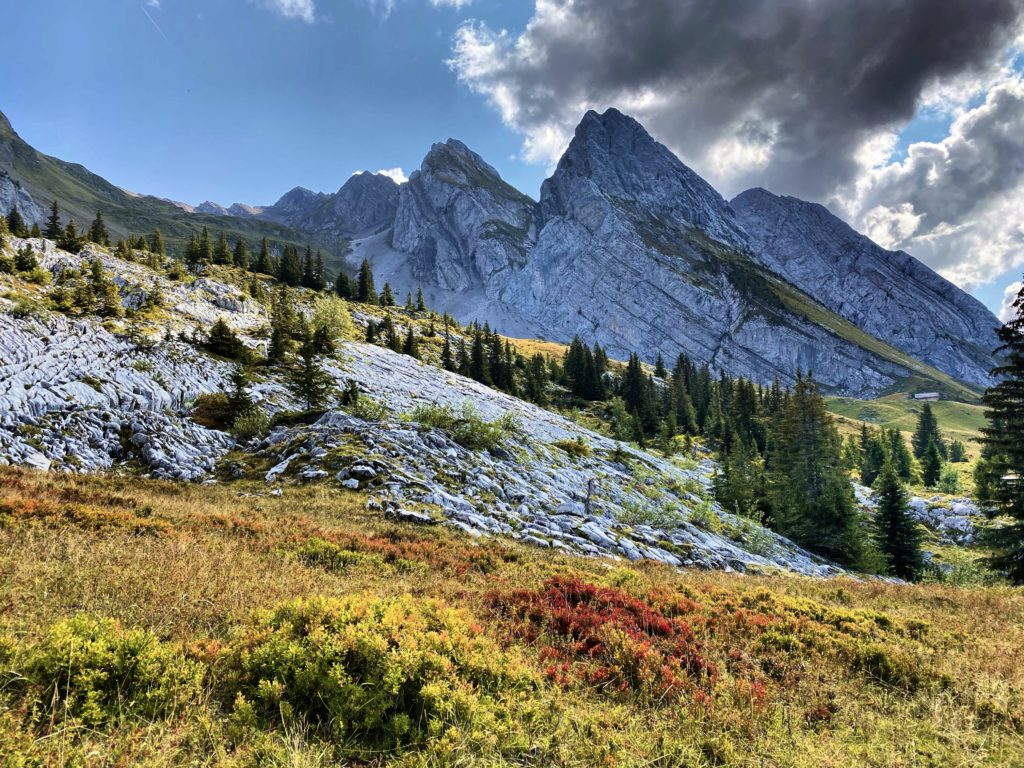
[(251, 423), (368, 409), (664, 517), (385, 672), (466, 426), (213, 410), (576, 448), (94, 670)]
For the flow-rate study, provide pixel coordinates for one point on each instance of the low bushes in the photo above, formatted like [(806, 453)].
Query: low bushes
[(466, 426), (384, 672), (97, 672)]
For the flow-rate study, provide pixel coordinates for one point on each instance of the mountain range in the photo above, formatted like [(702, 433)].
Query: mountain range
[(626, 247)]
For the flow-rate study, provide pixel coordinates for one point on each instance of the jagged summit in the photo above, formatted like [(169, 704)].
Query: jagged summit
[(612, 155), (889, 294)]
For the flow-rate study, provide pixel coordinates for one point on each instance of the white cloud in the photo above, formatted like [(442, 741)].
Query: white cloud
[(954, 203), (450, 3), (153, 3), (1008, 311), (302, 10), (397, 175)]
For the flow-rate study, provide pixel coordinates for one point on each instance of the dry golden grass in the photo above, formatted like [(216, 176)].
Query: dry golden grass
[(212, 555)]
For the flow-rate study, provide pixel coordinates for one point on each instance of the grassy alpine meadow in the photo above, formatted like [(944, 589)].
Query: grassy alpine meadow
[(150, 623)]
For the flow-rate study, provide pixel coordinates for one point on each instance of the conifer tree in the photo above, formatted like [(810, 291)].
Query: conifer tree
[(421, 305), (205, 247), (931, 465), (263, 264), (15, 222), (35, 231), (223, 341), (1000, 473), (365, 290), (319, 276), (222, 251), (192, 253), (307, 380), (289, 269), (343, 285), (239, 401), (927, 432), (810, 493), (308, 280), (957, 452), (387, 298), (70, 240), (873, 457), (156, 243), (240, 255), (447, 361), (899, 454), (283, 324), (896, 532), (53, 226), (98, 231), (410, 346)]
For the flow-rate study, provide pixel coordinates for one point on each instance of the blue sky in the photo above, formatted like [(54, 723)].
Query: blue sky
[(235, 101)]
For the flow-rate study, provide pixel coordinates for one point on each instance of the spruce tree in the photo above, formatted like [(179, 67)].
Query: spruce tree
[(1000, 473), (927, 432), (319, 278), (896, 532), (205, 247), (307, 380), (15, 222), (931, 465), (289, 270), (156, 243), (222, 251), (53, 226), (387, 298), (263, 264), (192, 253), (957, 452), (35, 231), (365, 290), (447, 361), (410, 346), (421, 305), (810, 492), (70, 241), (98, 231), (240, 255), (343, 285)]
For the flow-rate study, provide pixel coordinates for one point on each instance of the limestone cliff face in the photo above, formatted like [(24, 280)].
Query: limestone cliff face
[(889, 294), (13, 194), (461, 224)]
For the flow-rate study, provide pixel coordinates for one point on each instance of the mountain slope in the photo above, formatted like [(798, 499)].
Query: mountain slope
[(890, 295), (81, 194), (632, 250)]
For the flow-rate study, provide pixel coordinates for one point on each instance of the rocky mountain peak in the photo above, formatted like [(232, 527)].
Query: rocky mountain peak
[(366, 201), (612, 156), (209, 206), (6, 129)]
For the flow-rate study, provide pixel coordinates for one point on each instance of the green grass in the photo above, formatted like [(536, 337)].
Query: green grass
[(957, 420)]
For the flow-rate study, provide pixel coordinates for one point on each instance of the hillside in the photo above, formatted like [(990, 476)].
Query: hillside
[(82, 194), (198, 600)]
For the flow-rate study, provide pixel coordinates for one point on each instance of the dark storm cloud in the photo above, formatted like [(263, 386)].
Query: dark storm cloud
[(777, 92)]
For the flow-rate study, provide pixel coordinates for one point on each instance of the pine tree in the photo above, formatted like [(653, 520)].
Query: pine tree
[(810, 493), (319, 278), (222, 251), (307, 380), (239, 401), (957, 452), (931, 465), (240, 256), (15, 223), (35, 231), (873, 456), (156, 243), (421, 305), (53, 227), (896, 532), (737, 482), (1000, 473), (263, 263), (192, 253), (387, 298), (365, 290), (223, 341), (308, 279), (899, 454), (283, 325)]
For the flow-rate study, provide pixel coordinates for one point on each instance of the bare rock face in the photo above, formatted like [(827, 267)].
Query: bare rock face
[(640, 254), (889, 294), (462, 225), (13, 194)]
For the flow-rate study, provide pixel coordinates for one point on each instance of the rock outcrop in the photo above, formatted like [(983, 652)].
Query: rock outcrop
[(13, 194), (889, 294), (463, 227)]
